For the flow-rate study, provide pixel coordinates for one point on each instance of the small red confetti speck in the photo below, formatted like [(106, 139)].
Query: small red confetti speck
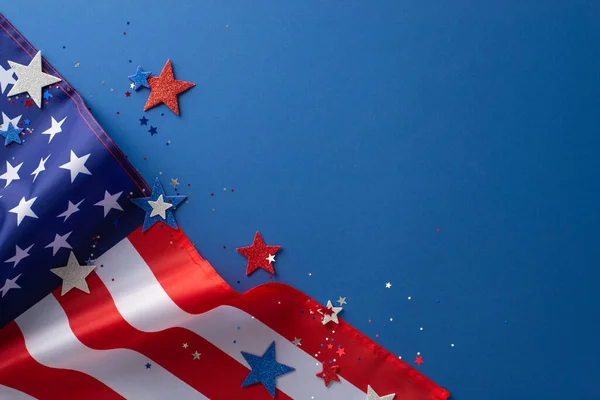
[(377, 335), (369, 321), (145, 158), (189, 184), (28, 103), (270, 276), (127, 94), (212, 194), (438, 230), (231, 190), (419, 360), (224, 247), (124, 33)]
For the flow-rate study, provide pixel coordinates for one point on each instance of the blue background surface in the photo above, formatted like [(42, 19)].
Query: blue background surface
[(352, 132)]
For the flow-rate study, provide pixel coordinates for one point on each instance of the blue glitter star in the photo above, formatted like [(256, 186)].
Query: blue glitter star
[(152, 130), (143, 121), (265, 369), (148, 366), (27, 122), (47, 94), (11, 134), (116, 222), (140, 78), (155, 209)]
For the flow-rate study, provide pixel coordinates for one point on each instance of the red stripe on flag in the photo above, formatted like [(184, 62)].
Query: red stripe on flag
[(193, 284), (20, 371), (216, 374)]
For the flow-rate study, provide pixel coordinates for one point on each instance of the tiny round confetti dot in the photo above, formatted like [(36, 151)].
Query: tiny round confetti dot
[(421, 329), (452, 345), (418, 353), (409, 297)]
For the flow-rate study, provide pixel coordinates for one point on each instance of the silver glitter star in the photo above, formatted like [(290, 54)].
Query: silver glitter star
[(196, 355), (296, 341), (31, 79), (371, 395), (342, 301), (73, 275), (185, 345), (159, 207), (332, 314), (174, 182)]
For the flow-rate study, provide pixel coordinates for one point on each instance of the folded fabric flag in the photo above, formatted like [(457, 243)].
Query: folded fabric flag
[(148, 317)]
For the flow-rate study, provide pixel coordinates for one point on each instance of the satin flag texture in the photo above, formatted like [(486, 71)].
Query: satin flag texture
[(158, 322)]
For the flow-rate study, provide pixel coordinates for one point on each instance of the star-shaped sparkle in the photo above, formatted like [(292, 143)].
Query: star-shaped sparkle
[(258, 255), (196, 355), (340, 351), (174, 182), (371, 395), (330, 313), (388, 285), (143, 121), (165, 88), (73, 275), (140, 78), (31, 79), (341, 301), (12, 134), (152, 131), (297, 341), (329, 374), (158, 207), (419, 360), (185, 345), (265, 369)]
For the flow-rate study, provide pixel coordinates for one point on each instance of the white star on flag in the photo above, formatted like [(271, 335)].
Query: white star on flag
[(23, 209), (6, 121), (41, 167), (59, 242), (19, 255), (76, 166), (71, 209), (109, 202), (31, 79), (10, 284), (6, 78), (54, 129), (11, 174)]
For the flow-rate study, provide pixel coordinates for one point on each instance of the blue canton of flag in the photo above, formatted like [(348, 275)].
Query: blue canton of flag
[(65, 187)]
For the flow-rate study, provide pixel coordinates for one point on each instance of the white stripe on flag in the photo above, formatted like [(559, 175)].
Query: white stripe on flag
[(143, 303), (51, 342), (7, 393)]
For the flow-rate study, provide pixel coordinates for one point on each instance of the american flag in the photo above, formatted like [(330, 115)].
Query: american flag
[(158, 321)]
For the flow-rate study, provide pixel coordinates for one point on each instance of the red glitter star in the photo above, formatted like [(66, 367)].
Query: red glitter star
[(127, 94), (329, 346), (257, 255), (28, 103), (165, 88), (341, 351), (329, 374), (419, 360)]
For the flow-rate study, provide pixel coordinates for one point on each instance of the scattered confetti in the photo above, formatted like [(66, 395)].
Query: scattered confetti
[(388, 285)]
